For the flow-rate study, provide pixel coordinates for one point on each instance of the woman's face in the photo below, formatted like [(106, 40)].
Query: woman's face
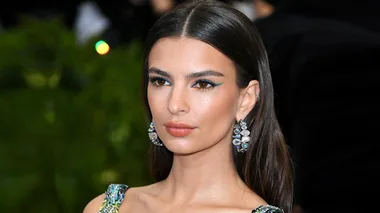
[(192, 94)]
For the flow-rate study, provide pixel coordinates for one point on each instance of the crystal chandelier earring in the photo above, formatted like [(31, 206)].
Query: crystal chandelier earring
[(153, 135), (241, 136)]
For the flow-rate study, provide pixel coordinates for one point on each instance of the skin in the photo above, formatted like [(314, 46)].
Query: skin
[(203, 177)]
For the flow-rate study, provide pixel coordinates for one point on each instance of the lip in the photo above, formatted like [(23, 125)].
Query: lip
[(179, 129)]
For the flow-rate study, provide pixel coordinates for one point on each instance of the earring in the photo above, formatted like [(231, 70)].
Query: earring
[(153, 135), (241, 136)]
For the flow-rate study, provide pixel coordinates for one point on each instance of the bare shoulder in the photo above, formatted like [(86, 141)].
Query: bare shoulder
[(251, 200), (94, 205), (257, 204), (142, 192), (130, 199), (141, 199)]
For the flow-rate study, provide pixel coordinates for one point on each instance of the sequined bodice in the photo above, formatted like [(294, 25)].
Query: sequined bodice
[(116, 192)]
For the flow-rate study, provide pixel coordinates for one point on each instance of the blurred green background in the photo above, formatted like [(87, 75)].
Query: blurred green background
[(71, 121)]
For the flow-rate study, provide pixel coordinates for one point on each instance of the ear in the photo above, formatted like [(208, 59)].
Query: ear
[(248, 99)]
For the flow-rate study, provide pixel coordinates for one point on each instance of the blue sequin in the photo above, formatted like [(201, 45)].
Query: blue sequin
[(114, 197), (267, 209)]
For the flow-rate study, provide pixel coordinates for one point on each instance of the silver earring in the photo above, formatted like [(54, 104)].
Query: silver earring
[(153, 135), (241, 136)]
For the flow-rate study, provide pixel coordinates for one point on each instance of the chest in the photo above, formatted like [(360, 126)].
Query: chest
[(168, 208)]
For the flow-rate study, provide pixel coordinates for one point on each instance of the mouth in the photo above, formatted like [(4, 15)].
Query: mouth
[(179, 129)]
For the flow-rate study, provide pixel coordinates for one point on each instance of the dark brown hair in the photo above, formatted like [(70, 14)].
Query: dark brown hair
[(266, 166)]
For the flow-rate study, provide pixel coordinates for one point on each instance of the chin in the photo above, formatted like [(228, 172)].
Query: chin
[(181, 146)]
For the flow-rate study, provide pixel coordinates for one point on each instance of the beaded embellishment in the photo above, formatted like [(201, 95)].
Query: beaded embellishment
[(267, 209), (114, 197), (241, 136)]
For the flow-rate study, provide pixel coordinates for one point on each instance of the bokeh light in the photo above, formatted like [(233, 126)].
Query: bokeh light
[(102, 47)]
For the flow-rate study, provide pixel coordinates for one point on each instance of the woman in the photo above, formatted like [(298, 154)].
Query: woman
[(216, 143)]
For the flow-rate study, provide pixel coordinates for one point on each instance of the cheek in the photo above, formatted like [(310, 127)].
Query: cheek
[(216, 110), (155, 101)]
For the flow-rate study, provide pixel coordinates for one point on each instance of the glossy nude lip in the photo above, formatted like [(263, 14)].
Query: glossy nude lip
[(179, 129)]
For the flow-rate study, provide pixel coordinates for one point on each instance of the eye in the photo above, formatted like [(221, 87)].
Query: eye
[(159, 82), (204, 84)]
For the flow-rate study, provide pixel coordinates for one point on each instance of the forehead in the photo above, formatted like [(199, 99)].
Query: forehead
[(188, 55)]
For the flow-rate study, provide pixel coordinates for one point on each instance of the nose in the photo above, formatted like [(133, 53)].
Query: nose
[(178, 101)]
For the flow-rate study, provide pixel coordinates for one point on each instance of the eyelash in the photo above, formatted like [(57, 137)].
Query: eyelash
[(210, 84), (154, 80)]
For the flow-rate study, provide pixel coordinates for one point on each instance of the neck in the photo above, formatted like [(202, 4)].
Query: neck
[(210, 173)]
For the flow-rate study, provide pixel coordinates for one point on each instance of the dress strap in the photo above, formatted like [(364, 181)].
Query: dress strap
[(267, 209), (114, 197)]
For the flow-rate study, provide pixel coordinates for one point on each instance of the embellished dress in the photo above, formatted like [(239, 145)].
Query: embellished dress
[(116, 192)]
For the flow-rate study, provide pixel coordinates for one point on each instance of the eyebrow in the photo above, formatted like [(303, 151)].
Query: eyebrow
[(189, 76)]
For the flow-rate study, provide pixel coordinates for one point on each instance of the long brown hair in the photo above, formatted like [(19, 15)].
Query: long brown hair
[(266, 166)]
